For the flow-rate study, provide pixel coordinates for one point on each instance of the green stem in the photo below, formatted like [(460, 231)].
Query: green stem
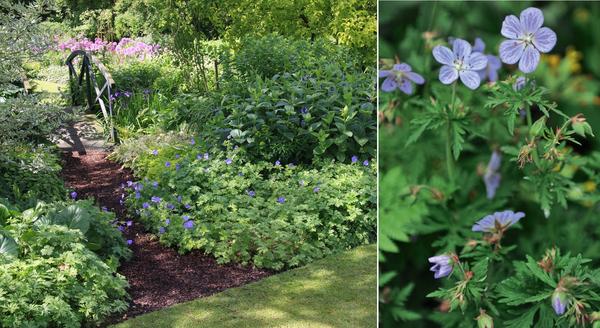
[(536, 158), (449, 157)]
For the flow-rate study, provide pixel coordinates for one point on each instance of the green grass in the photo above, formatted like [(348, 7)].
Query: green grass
[(337, 291)]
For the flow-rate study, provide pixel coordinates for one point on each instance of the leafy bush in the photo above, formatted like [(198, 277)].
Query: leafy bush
[(270, 215), (56, 281), (296, 117), (157, 74), (97, 226), (28, 119), (31, 173)]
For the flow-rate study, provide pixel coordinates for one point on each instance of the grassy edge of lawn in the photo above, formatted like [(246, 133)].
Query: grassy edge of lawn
[(337, 291)]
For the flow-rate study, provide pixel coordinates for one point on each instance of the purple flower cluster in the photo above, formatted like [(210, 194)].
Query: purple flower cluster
[(126, 47)]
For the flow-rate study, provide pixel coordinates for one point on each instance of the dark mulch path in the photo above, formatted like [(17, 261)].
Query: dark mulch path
[(158, 276)]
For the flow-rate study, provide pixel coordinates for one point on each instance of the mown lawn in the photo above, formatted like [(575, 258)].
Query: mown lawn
[(338, 291)]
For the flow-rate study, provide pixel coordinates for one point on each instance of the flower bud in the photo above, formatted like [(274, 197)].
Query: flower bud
[(538, 127), (559, 301), (484, 320)]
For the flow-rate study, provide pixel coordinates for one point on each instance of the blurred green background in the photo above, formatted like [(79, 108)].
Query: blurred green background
[(571, 71)]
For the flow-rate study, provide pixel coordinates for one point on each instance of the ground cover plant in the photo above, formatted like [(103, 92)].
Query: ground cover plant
[(488, 169)]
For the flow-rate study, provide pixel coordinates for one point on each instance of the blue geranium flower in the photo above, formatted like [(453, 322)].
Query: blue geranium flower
[(316, 189), (366, 163), (167, 164), (161, 230), (74, 195), (188, 224), (228, 161), (527, 38), (251, 193), (442, 266), (354, 159), (400, 77), (461, 62), (281, 200), (155, 199), (145, 205), (155, 152), (498, 221)]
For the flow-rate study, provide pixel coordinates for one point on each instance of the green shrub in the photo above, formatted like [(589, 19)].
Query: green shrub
[(31, 173), (158, 74), (237, 211), (98, 226), (28, 119), (57, 282)]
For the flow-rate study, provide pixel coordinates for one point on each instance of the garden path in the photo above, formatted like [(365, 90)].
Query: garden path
[(158, 276)]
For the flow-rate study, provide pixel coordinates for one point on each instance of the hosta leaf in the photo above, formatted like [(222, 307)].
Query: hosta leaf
[(8, 246)]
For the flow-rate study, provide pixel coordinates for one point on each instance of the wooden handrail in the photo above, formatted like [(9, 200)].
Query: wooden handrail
[(87, 72)]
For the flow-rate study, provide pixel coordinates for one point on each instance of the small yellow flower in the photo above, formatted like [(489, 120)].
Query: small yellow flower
[(552, 60), (589, 186), (581, 15)]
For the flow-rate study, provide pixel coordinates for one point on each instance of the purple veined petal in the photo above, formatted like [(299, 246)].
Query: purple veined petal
[(476, 61), (461, 49), (529, 60), (448, 74), (494, 62), (479, 45), (406, 86), (544, 39), (402, 67), (511, 27), (443, 55), (417, 78), (389, 84), (470, 79), (511, 51), (531, 19), (385, 73)]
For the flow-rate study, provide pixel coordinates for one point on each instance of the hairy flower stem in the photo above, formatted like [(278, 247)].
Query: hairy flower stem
[(449, 157)]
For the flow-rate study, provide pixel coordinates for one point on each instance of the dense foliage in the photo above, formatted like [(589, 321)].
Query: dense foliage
[(457, 158), (272, 215), (52, 274)]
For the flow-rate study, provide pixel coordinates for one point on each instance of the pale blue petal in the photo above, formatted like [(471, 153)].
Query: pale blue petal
[(448, 74), (494, 62), (470, 79), (531, 19), (511, 51), (406, 86), (389, 84), (443, 55), (384, 73), (402, 67), (511, 27), (418, 79), (544, 39), (529, 60), (461, 49), (476, 61), (479, 45)]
